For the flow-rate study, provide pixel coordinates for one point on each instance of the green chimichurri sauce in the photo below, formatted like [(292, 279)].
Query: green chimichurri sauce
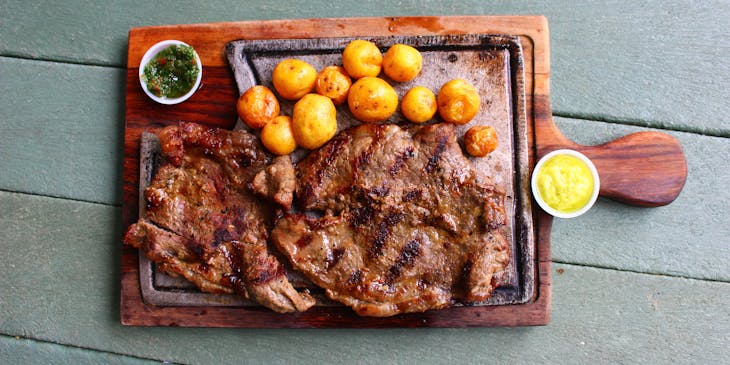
[(172, 73)]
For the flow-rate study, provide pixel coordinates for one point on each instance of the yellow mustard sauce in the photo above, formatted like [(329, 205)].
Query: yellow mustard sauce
[(565, 183)]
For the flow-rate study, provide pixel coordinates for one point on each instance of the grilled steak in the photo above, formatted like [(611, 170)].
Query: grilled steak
[(204, 221), (403, 225)]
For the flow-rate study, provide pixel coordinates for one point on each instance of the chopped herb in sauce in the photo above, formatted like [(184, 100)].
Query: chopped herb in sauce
[(172, 72)]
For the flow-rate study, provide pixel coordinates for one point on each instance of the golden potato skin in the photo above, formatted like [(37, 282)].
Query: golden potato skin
[(418, 104), (277, 136), (402, 63), (458, 101), (362, 58), (293, 78), (480, 140), (372, 100), (257, 106), (334, 83), (314, 121)]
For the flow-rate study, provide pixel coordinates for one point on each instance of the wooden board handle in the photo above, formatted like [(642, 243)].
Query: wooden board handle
[(646, 169)]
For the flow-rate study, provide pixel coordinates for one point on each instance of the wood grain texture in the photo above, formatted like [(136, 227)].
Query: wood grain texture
[(655, 64), (68, 269), (645, 168), (25, 351), (60, 130), (217, 110)]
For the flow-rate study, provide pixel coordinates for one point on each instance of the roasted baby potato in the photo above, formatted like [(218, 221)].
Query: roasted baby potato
[(372, 100), (257, 106), (480, 140), (334, 83), (277, 136), (402, 63), (314, 121), (293, 78), (418, 104), (362, 58), (458, 101)]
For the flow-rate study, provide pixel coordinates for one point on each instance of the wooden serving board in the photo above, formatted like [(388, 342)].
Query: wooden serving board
[(646, 168)]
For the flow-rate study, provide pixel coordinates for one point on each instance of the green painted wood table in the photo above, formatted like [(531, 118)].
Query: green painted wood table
[(629, 285)]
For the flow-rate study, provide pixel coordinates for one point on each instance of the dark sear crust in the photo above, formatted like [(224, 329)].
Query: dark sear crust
[(405, 226), (204, 221)]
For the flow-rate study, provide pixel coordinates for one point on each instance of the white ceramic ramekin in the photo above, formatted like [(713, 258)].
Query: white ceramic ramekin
[(150, 54), (547, 208)]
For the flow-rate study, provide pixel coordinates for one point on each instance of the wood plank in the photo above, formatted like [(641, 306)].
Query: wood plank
[(690, 237), (25, 351), (62, 256), (60, 129), (657, 67), (208, 39)]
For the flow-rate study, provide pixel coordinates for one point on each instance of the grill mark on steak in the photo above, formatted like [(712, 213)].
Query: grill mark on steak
[(333, 260), (221, 235), (412, 195), (330, 152), (355, 280), (434, 159), (406, 259), (380, 191), (383, 231), (235, 276), (361, 215), (304, 241), (400, 161), (268, 271), (363, 159)]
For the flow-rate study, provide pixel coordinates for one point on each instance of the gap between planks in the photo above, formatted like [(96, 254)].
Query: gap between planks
[(115, 205), (39, 341), (651, 273), (59, 61), (641, 123)]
